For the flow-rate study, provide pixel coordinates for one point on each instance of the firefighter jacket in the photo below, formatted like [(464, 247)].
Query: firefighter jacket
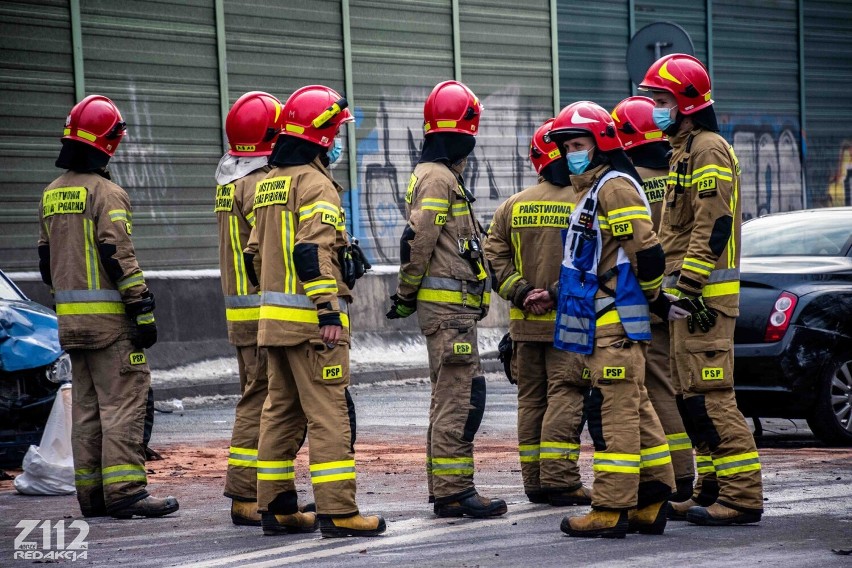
[(524, 247), (299, 227), (85, 223), (441, 262), (624, 223), (654, 184), (701, 225), (234, 211)]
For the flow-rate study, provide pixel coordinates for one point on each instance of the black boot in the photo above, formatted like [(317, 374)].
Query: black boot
[(475, 506)]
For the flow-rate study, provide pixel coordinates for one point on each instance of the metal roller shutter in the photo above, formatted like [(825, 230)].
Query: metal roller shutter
[(755, 86), (592, 45), (157, 60), (506, 60), (828, 80), (399, 52), (36, 93)]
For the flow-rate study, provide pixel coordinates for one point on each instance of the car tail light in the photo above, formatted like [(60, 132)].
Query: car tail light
[(779, 319)]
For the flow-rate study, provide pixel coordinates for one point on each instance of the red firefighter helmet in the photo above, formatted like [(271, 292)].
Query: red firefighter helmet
[(315, 113), (95, 121), (253, 124), (543, 150), (684, 77), (585, 118), (451, 107), (634, 122)]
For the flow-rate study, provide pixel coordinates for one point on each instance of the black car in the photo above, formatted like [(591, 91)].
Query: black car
[(32, 367), (793, 341)]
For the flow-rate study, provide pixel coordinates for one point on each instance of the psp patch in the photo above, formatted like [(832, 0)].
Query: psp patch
[(587, 373), (332, 372), (441, 219), (137, 358), (622, 231), (462, 349), (712, 374), (410, 191), (614, 373)]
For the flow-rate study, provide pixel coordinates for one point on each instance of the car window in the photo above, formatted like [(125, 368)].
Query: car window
[(7, 291), (806, 234)]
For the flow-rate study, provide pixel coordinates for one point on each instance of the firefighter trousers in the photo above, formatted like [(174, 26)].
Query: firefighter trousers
[(632, 463), (726, 455), (109, 394), (241, 481), (307, 385), (551, 391), (661, 391), (456, 409)]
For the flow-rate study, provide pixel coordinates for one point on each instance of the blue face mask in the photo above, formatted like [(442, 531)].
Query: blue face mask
[(335, 151), (663, 118), (578, 161)]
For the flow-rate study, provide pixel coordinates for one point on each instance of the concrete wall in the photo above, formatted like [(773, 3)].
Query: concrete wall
[(191, 314)]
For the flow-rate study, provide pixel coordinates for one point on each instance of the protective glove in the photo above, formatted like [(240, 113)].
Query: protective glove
[(141, 312), (504, 355), (666, 309), (401, 308), (521, 294), (699, 313)]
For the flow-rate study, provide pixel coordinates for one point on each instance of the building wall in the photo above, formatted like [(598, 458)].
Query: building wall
[(174, 66)]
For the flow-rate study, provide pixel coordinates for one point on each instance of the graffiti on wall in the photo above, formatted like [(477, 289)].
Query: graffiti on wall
[(498, 167), (771, 164), (839, 190)]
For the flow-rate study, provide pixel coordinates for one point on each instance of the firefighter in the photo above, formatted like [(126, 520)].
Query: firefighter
[(106, 315), (648, 149), (252, 126), (700, 233), (443, 277), (613, 264), (524, 246), (304, 325)]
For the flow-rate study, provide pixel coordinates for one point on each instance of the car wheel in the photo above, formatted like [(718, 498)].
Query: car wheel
[(831, 420)]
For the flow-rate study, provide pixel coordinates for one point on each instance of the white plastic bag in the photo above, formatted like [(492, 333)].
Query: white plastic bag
[(49, 467)]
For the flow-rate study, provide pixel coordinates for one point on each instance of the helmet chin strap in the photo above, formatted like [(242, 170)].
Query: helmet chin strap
[(675, 126)]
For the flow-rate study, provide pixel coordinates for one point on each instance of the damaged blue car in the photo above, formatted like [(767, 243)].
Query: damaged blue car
[(32, 367)]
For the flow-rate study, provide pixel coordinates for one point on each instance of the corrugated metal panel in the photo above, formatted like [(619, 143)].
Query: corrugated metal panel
[(157, 60), (593, 41), (506, 60), (691, 16), (399, 52), (755, 86), (828, 78), (36, 93)]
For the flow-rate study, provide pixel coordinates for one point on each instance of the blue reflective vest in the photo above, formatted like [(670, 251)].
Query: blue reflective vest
[(577, 310)]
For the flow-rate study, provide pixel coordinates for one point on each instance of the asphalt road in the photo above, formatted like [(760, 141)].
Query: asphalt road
[(807, 490)]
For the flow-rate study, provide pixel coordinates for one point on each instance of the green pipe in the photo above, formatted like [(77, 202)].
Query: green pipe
[(554, 56), (802, 102), (351, 139), (77, 50), (224, 100), (631, 31), (709, 4), (457, 67)]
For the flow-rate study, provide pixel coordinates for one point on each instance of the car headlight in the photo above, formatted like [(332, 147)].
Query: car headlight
[(60, 370)]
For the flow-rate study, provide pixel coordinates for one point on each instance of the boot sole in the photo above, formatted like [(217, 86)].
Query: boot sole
[(244, 522), (612, 532), (285, 529), (332, 531), (708, 521), (150, 514), (460, 512)]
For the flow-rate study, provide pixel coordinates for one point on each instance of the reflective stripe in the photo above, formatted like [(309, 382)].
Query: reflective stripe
[(308, 211), (723, 289), (295, 315), (679, 441), (628, 213), (616, 463), (332, 471), (529, 453), (286, 300), (602, 303), (460, 209), (658, 455), (240, 275), (697, 266), (242, 314), (245, 457), (740, 463), (508, 283), (122, 473), (134, 279), (429, 466), (560, 451), (251, 218), (145, 318), (651, 284), (85, 477), (449, 291), (518, 314), (435, 204), (77, 296), (280, 470), (573, 337), (242, 301), (120, 215), (89, 308), (93, 281), (288, 242), (452, 466), (704, 464), (409, 279), (516, 244), (318, 287)]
